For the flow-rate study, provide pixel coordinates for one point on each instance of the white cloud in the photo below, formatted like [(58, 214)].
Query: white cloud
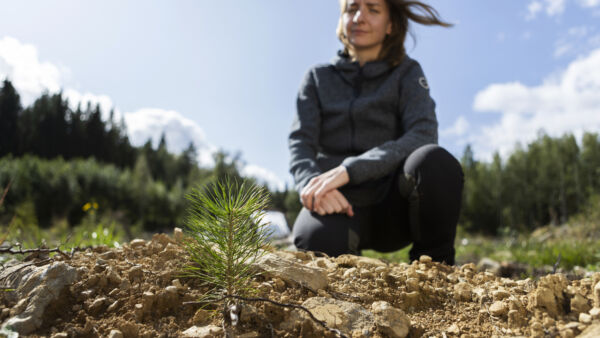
[(19, 63), (533, 9), (551, 7), (555, 7), (565, 103), (459, 128), (264, 176), (576, 41), (588, 3), (150, 123), (75, 98)]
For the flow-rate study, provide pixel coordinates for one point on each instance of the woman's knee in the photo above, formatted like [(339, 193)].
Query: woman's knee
[(331, 234), (433, 182)]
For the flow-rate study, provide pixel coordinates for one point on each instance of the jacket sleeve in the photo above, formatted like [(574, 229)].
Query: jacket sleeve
[(304, 136), (419, 127)]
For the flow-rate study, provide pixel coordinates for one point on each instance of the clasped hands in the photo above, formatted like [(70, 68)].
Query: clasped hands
[(321, 195)]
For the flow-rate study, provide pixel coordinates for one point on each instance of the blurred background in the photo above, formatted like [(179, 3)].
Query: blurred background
[(111, 111)]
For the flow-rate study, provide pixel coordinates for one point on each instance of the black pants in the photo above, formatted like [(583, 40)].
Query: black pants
[(422, 208)]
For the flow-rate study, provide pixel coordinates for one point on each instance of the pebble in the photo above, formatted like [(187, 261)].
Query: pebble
[(500, 295), (137, 243), (585, 318), (498, 308), (115, 334)]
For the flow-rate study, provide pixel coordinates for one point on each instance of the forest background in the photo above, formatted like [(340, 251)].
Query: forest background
[(68, 175)]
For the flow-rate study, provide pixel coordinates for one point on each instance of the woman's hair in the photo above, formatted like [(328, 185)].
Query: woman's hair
[(393, 50)]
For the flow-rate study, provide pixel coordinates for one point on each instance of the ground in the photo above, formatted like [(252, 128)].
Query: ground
[(139, 290)]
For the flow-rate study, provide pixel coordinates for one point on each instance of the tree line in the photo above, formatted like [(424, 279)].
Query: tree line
[(59, 158), (545, 183)]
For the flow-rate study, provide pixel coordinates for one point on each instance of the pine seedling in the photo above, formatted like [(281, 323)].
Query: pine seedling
[(225, 235)]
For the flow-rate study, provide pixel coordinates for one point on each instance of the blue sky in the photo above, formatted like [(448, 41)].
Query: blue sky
[(225, 74)]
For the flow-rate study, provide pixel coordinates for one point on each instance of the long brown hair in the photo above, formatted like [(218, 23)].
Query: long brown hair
[(393, 50)]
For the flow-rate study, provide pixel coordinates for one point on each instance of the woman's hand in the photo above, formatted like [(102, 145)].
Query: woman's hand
[(319, 187), (334, 202)]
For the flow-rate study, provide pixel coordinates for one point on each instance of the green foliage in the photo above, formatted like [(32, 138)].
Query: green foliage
[(547, 182), (225, 235)]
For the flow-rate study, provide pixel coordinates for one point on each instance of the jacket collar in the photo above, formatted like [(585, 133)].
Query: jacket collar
[(350, 69)]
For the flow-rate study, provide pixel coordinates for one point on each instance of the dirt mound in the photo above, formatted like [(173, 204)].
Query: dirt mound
[(137, 291)]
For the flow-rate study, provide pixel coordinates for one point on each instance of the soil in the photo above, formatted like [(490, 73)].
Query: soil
[(138, 290)]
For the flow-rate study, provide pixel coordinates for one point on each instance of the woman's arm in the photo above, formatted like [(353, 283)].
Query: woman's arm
[(419, 124), (303, 144), (304, 136)]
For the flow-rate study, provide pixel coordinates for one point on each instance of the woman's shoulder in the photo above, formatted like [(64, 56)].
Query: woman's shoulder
[(409, 71)]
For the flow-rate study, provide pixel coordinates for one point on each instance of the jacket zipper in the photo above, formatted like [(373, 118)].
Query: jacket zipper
[(356, 88)]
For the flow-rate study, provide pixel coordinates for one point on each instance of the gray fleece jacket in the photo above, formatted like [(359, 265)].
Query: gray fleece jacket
[(368, 119)]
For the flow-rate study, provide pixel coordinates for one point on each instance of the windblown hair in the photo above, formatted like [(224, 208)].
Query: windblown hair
[(401, 11)]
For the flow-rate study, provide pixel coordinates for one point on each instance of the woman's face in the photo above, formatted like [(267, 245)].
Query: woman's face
[(366, 23)]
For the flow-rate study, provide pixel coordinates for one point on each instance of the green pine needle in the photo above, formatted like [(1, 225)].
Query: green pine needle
[(225, 235)]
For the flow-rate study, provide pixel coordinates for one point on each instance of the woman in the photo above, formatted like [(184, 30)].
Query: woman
[(363, 143)]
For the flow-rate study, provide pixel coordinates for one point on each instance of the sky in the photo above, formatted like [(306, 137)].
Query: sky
[(225, 74)]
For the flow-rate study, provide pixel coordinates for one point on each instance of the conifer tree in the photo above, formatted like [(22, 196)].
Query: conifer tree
[(10, 107)]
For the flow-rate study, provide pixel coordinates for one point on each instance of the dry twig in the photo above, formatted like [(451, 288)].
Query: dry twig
[(293, 306), (20, 251)]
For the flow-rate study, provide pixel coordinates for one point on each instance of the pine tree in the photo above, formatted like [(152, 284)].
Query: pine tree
[(10, 108)]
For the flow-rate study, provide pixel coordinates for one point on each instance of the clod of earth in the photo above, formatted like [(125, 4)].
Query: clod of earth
[(137, 291)]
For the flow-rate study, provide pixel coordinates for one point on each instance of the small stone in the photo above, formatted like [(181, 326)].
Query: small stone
[(391, 321), (202, 317), (279, 284), (500, 295), (462, 291), (97, 305), (572, 325), (579, 304), (412, 284), (498, 309), (176, 283), (147, 300), (595, 313), (135, 273), (112, 307), (178, 235), (138, 311), (203, 332), (60, 335), (108, 255), (591, 331), (453, 329), (597, 295), (137, 243), (585, 318), (548, 322), (349, 273), (425, 259), (514, 319), (366, 274), (115, 334)]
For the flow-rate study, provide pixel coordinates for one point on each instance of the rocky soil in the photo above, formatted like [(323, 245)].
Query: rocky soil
[(138, 291)]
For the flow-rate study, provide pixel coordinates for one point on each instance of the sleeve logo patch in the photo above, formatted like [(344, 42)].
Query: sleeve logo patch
[(423, 82)]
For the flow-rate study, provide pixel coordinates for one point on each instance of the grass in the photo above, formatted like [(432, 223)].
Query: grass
[(94, 230), (538, 249)]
